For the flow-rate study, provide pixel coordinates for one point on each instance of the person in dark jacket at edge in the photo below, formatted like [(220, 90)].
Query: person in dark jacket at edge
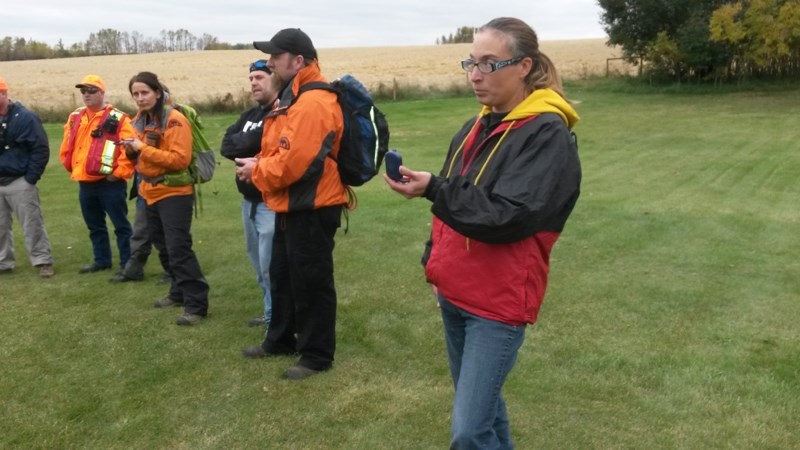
[(243, 140), (24, 153), (510, 181)]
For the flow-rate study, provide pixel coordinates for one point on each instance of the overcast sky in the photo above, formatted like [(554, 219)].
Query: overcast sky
[(330, 23)]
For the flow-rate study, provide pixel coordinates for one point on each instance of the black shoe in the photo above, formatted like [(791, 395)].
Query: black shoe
[(93, 267), (121, 278), (298, 372)]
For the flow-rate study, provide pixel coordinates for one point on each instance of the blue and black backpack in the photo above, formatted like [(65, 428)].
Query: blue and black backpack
[(365, 139)]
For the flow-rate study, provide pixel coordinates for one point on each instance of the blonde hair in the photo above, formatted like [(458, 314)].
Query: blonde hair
[(522, 41)]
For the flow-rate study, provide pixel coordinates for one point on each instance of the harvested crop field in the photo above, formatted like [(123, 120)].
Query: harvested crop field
[(203, 75)]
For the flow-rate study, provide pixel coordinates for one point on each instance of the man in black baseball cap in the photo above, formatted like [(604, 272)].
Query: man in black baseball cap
[(288, 40), (302, 185)]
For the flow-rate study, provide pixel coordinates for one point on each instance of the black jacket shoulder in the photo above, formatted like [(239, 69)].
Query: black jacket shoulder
[(515, 186)]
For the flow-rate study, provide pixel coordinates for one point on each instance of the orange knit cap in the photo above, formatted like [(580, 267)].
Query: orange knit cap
[(3, 85)]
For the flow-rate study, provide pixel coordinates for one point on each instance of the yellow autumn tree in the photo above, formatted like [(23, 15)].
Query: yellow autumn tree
[(763, 35)]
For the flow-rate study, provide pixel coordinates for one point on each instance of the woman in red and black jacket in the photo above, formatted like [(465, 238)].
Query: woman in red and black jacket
[(510, 181)]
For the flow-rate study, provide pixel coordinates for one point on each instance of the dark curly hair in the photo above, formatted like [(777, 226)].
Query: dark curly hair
[(151, 80)]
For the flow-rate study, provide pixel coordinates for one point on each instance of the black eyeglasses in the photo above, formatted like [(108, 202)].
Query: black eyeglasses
[(488, 67), (85, 90), (261, 64)]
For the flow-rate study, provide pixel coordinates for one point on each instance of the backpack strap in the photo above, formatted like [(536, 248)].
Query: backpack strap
[(165, 115), (325, 87), (315, 85)]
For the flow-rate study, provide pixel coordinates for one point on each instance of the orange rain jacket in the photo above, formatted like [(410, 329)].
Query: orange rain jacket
[(78, 146), (174, 153), (296, 169)]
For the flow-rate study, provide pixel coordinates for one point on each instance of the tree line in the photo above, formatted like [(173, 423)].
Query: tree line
[(111, 42), (719, 40), (462, 35)]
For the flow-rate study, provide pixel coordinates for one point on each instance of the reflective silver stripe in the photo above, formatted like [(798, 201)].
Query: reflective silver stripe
[(107, 158), (376, 151)]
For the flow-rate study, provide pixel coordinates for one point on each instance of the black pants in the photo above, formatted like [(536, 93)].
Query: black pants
[(303, 292), (169, 222)]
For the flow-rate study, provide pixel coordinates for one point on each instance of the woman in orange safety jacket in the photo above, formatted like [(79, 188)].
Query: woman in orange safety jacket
[(163, 152)]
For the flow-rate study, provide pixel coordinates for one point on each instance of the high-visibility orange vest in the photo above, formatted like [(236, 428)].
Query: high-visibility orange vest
[(103, 151)]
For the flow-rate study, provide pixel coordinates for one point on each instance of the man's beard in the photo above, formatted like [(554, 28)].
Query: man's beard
[(278, 83)]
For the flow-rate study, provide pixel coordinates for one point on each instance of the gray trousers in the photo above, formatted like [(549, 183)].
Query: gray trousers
[(141, 245), (21, 199)]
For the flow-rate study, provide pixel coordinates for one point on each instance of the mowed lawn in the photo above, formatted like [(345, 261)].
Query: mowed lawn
[(671, 319)]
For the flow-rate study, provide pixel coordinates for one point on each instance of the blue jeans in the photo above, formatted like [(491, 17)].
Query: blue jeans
[(481, 353), (259, 229), (98, 199)]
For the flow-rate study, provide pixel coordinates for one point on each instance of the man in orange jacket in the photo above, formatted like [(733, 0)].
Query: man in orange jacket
[(91, 156), (297, 174)]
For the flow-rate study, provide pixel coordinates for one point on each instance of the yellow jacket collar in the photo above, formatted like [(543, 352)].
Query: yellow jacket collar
[(541, 101)]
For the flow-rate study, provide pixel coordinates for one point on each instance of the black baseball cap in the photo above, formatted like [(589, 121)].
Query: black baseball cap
[(291, 40)]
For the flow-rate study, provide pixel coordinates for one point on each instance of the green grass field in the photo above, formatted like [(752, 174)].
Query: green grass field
[(670, 319)]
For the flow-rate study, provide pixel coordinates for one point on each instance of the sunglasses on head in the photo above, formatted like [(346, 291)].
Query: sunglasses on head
[(261, 64), (88, 90)]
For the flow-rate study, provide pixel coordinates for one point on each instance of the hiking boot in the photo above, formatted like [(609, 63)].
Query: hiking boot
[(255, 351), (166, 302), (298, 372), (189, 319), (45, 270), (92, 268), (120, 277), (258, 322)]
